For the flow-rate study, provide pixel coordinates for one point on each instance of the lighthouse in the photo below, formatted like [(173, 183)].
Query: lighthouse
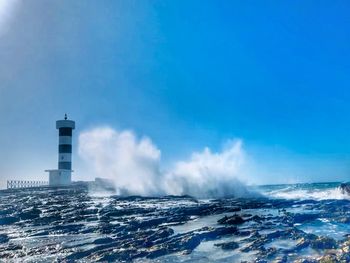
[(63, 175)]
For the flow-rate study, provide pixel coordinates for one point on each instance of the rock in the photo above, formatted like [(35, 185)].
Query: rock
[(127, 229), (302, 218), (209, 233), (257, 218), (29, 214), (231, 220), (345, 188), (228, 245), (306, 261), (302, 243), (330, 258), (275, 234), (233, 209), (323, 243), (3, 238), (103, 240), (344, 257), (182, 243), (8, 220)]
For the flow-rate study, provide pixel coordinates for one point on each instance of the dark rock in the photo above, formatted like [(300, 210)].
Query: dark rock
[(302, 218), (8, 220), (231, 220), (184, 243), (323, 243), (330, 258), (275, 234), (228, 245), (3, 238), (103, 240), (208, 233), (233, 209), (345, 188), (302, 243), (30, 214), (243, 233)]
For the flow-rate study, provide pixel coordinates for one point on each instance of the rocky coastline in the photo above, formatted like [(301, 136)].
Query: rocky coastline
[(71, 225)]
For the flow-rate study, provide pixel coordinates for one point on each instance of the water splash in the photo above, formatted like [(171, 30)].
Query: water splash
[(134, 164), (316, 191)]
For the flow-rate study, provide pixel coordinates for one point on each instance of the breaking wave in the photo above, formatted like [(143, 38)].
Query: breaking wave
[(134, 164), (316, 191)]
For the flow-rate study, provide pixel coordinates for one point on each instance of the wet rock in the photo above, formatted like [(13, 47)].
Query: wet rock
[(275, 234), (233, 209), (118, 229), (3, 238), (40, 233), (302, 243), (103, 240), (283, 259), (345, 188), (176, 244), (323, 243), (269, 253), (7, 211), (209, 233), (302, 218), (306, 261), (8, 220), (69, 228), (158, 236), (243, 233), (148, 223), (256, 244), (256, 218), (228, 245), (330, 258), (345, 257), (29, 214), (231, 220)]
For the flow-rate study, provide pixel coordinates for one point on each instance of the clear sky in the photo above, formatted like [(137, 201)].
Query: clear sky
[(187, 74)]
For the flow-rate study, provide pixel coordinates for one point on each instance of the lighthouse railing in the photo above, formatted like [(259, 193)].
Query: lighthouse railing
[(14, 184)]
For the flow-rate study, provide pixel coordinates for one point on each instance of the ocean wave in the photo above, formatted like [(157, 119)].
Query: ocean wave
[(291, 192)]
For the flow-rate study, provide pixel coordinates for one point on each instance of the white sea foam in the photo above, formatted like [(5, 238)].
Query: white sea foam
[(314, 194), (134, 164)]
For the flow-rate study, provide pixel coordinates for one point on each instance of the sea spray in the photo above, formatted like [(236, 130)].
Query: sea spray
[(311, 191), (134, 164), (208, 174)]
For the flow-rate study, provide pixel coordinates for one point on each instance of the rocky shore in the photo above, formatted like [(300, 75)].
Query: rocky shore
[(71, 225)]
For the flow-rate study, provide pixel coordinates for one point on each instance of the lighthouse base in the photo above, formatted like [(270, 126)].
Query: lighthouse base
[(59, 177)]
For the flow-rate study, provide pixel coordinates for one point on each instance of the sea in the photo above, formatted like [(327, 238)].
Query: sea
[(281, 223), (303, 191)]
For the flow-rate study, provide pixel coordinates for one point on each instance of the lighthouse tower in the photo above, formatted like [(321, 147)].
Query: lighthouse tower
[(63, 175)]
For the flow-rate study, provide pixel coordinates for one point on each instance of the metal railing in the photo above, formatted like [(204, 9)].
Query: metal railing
[(12, 184)]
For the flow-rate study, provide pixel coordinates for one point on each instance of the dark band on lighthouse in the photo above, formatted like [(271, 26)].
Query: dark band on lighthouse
[(62, 175), (65, 145)]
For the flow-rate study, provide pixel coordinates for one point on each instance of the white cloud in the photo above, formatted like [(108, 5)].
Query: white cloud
[(134, 165)]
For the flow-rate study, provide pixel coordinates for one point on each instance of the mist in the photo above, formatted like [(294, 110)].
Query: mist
[(134, 164)]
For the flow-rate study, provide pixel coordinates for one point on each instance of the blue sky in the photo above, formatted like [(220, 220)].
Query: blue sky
[(188, 74)]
